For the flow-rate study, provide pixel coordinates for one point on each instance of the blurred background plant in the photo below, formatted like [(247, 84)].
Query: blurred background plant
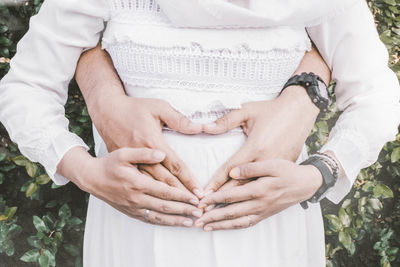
[(42, 224)]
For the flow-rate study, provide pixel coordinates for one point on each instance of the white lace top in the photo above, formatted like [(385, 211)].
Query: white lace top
[(221, 68)]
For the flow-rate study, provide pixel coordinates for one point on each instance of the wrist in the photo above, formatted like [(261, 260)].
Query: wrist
[(313, 180), (99, 101), (73, 166), (297, 96)]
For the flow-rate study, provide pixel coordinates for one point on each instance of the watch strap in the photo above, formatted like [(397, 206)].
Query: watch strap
[(309, 81), (329, 178)]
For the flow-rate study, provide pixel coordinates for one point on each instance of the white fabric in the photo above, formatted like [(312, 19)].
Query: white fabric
[(251, 13), (33, 93), (294, 237)]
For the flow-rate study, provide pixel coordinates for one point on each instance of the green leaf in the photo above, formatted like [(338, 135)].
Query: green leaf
[(64, 212), (345, 219), (51, 204), (334, 222), (392, 251), (14, 230), (43, 179), (31, 256), (52, 258), (8, 247), (3, 29), (31, 169), (54, 186), (31, 189), (7, 168), (3, 156), (375, 203), (74, 221), (367, 186), (34, 241), (382, 190), (390, 2), (395, 156), (4, 41), (58, 236), (40, 225), (345, 239), (44, 261), (49, 220), (20, 160), (71, 250), (10, 212)]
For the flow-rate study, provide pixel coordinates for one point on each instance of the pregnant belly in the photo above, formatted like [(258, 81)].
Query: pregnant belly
[(203, 154)]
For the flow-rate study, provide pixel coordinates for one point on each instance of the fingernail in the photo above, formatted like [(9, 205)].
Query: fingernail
[(199, 224), (197, 213), (194, 201), (188, 223), (210, 207), (235, 172), (199, 193), (208, 228), (158, 155), (209, 192)]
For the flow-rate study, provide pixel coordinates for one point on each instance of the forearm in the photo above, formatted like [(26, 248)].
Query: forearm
[(311, 62), (97, 78)]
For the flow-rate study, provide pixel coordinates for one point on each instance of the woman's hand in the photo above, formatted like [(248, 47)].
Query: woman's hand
[(116, 180), (282, 184), (275, 128), (124, 121)]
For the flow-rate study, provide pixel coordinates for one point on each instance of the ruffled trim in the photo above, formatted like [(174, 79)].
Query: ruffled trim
[(283, 38)]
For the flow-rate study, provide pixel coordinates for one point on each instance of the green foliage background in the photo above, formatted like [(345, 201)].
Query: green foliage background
[(42, 224)]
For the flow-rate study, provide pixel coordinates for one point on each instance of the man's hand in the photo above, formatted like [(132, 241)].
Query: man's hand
[(124, 121)]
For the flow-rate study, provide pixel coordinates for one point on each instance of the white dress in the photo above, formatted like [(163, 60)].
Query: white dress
[(202, 73)]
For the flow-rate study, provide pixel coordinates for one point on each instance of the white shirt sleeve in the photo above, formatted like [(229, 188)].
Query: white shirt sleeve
[(34, 92), (367, 91)]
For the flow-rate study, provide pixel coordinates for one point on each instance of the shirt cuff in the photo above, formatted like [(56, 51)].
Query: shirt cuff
[(351, 150), (51, 148)]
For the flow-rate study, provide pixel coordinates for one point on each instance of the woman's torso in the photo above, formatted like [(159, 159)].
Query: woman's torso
[(202, 73)]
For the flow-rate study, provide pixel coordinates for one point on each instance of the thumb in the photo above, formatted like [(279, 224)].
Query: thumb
[(221, 176), (256, 169), (233, 119), (178, 122)]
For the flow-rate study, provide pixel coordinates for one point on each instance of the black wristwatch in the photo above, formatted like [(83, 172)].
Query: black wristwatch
[(329, 176), (315, 87)]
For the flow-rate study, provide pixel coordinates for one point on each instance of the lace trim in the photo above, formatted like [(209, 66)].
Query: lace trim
[(203, 86), (193, 68), (137, 5), (139, 11)]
